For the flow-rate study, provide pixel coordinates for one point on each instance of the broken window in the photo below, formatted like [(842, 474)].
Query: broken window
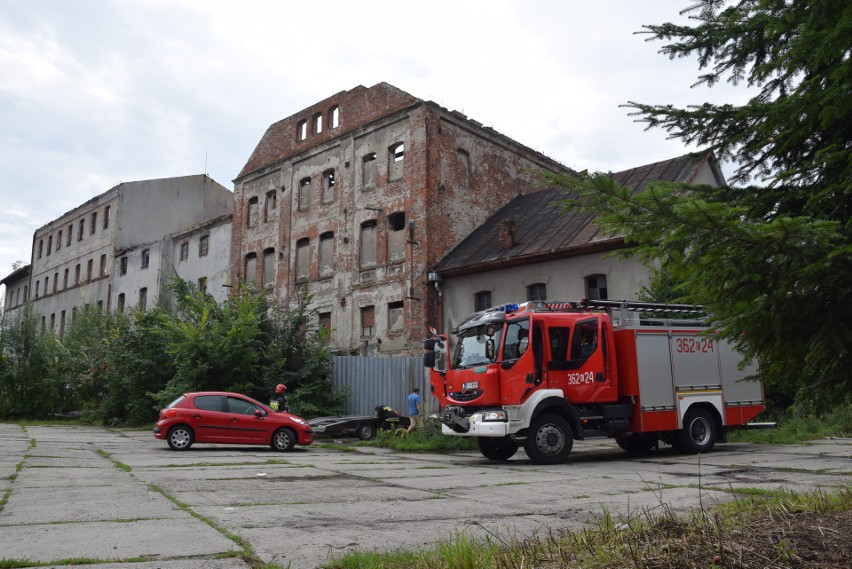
[(81, 229), (184, 251), (146, 257), (268, 267), (122, 266), (304, 194), (596, 287), (395, 319), (396, 157), (368, 171), (120, 305), (463, 159), (252, 212), (317, 123), (326, 254), (269, 212), (55, 282), (203, 245), (143, 298), (59, 241), (106, 217), (302, 130), (103, 265), (76, 277), (251, 269), (65, 279), (303, 259), (202, 284), (334, 117), (396, 237), (40, 247), (94, 225), (49, 244), (89, 266), (368, 320), (368, 244), (70, 233), (328, 185)]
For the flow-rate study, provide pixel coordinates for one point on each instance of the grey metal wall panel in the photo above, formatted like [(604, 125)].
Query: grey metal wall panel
[(695, 361), (372, 381), (655, 371), (736, 390)]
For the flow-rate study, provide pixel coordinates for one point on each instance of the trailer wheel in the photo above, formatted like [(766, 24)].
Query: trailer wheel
[(549, 440), (496, 448), (365, 431), (699, 432), (637, 443)]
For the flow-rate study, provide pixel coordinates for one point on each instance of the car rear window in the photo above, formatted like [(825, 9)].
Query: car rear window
[(208, 402), (176, 402)]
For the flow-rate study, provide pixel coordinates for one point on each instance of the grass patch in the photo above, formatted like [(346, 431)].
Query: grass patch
[(116, 463), (800, 424), (784, 529), (426, 439)]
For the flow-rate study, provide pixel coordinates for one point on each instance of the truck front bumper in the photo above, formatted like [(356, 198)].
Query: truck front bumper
[(481, 423)]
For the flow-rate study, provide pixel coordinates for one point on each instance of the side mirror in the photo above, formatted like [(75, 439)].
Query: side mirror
[(258, 413), (429, 345), (489, 349), (429, 359)]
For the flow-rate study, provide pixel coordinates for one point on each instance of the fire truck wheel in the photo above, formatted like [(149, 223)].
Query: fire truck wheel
[(549, 440), (636, 443), (496, 449), (699, 432)]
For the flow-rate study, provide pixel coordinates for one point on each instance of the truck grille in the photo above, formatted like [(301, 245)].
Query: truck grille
[(466, 395)]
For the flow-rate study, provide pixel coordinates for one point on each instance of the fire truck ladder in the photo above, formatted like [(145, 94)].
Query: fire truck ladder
[(634, 313)]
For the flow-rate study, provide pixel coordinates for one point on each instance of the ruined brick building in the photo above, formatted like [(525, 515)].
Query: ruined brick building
[(358, 196)]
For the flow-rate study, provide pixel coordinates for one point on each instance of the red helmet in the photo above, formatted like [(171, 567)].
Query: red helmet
[(280, 388)]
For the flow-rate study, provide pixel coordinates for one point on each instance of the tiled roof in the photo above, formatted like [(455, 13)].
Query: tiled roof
[(542, 230)]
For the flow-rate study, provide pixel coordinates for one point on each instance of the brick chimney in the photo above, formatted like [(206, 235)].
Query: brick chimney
[(507, 233)]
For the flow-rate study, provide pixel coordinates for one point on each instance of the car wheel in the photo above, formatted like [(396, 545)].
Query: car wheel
[(283, 440), (365, 431), (180, 437), (549, 439), (699, 433), (637, 443), (496, 448)]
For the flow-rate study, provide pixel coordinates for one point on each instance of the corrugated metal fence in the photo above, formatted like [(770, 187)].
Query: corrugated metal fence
[(371, 381)]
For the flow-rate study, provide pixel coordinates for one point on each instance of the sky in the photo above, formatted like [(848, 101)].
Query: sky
[(98, 92)]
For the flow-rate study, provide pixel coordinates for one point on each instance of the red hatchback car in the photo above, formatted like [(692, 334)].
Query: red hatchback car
[(229, 418)]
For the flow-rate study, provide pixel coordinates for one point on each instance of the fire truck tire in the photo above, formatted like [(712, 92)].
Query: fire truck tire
[(549, 440), (699, 433), (637, 443), (496, 449)]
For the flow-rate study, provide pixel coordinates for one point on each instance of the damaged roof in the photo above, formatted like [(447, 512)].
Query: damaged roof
[(540, 231)]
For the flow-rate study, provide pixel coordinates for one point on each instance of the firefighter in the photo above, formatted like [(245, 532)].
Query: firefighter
[(279, 399)]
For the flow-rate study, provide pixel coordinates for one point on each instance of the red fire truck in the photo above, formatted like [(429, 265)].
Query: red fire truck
[(542, 374)]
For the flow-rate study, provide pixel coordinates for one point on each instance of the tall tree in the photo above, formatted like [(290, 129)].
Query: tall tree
[(771, 255)]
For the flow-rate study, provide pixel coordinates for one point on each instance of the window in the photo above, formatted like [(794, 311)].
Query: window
[(70, 233), (62, 323), (269, 267), (209, 403), (77, 274), (143, 298), (324, 320), (559, 343), (304, 194), (46, 286), (53, 321), (328, 185), (334, 117), (80, 229), (251, 269), (38, 286), (368, 320), (103, 265), (242, 407), (49, 244), (585, 339), (463, 159), (396, 236), (251, 220), (55, 282), (395, 320), (326, 254), (302, 259), (40, 247), (184, 251), (596, 287), (368, 171), (317, 124), (517, 339), (202, 284), (65, 279), (203, 245), (302, 130), (59, 240), (121, 302), (537, 292), (122, 265), (482, 300), (94, 225), (106, 217), (26, 292), (146, 256), (396, 156), (89, 266), (368, 244), (269, 211)]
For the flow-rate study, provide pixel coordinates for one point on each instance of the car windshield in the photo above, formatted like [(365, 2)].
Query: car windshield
[(475, 345)]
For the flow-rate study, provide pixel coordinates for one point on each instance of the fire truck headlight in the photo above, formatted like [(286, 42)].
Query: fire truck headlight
[(496, 415)]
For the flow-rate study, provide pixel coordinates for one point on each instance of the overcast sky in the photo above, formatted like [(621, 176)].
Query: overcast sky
[(98, 92)]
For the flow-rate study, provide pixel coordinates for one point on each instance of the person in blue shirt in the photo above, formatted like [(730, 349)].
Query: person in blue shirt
[(415, 409)]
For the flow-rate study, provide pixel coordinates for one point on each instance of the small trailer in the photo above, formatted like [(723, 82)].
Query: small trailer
[(364, 427)]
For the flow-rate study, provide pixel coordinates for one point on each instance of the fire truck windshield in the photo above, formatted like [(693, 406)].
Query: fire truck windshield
[(477, 346)]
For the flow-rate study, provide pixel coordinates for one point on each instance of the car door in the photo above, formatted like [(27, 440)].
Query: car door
[(244, 425), (207, 416)]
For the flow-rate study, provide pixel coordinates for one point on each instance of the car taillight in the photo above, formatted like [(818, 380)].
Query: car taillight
[(168, 413)]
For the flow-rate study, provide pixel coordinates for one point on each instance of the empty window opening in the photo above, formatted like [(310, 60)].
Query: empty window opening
[(65, 279), (396, 161), (324, 325), (40, 247), (80, 229), (106, 217), (269, 267), (62, 323), (94, 225), (143, 298), (55, 282), (202, 284), (120, 305), (146, 258), (328, 185), (103, 265), (303, 259), (252, 212), (70, 233), (122, 265), (184, 251), (302, 130), (537, 292), (326, 254), (304, 194), (368, 171), (395, 319), (396, 236), (203, 245), (59, 241), (271, 204), (334, 117), (317, 124), (76, 275), (368, 320), (251, 269), (368, 244), (481, 300), (49, 244), (596, 287), (89, 267)]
